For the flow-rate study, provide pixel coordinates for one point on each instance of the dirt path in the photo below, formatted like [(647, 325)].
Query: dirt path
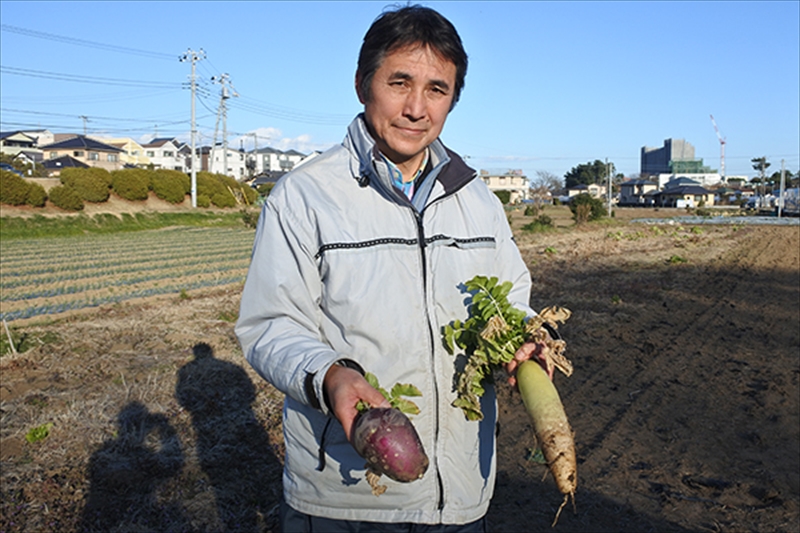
[(684, 399)]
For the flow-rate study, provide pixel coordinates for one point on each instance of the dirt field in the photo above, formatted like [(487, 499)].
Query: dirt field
[(685, 399)]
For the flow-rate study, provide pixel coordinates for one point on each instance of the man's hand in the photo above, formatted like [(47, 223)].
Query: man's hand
[(344, 388), (529, 350)]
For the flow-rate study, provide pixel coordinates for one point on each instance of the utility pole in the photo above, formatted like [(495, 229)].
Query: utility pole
[(194, 57), (608, 192), (225, 94), (255, 153), (85, 120), (722, 142), (783, 186)]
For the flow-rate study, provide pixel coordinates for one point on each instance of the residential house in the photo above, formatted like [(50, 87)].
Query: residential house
[(635, 192), (269, 159), (513, 181), (133, 153), (165, 152), (42, 136), (685, 196), (20, 144), (593, 189), (87, 150), (56, 165)]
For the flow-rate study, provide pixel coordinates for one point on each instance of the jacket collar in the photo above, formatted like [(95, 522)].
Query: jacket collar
[(449, 170)]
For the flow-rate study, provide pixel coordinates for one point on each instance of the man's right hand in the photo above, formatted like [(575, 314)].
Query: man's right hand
[(344, 387)]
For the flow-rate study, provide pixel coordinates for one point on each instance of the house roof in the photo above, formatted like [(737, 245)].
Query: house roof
[(81, 141), (161, 141), (7, 134), (687, 189), (683, 180), (65, 161)]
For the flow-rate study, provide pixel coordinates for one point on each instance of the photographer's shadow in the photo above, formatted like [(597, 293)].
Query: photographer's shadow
[(126, 472), (232, 445)]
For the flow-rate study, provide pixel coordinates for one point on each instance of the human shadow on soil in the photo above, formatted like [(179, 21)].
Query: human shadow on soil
[(232, 446), (126, 472)]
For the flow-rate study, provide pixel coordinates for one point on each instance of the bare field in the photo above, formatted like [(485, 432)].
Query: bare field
[(685, 399)]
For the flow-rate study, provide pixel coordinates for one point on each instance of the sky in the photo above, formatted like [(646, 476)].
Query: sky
[(550, 85)]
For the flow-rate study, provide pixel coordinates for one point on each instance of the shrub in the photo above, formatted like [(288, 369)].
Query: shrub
[(131, 184), (169, 186), (184, 180), (224, 191), (66, 198), (203, 200), (209, 184), (542, 223), (37, 196), (585, 208), (91, 184), (223, 199), (505, 196), (13, 188), (531, 210)]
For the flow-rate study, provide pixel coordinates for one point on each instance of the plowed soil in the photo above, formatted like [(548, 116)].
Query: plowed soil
[(685, 400)]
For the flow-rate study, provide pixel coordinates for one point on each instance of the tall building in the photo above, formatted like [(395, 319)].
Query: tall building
[(665, 160)]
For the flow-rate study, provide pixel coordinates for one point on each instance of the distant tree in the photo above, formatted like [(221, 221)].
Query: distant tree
[(547, 180), (775, 179), (588, 173)]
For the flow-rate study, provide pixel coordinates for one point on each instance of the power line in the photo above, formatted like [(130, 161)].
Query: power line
[(83, 42), (88, 79)]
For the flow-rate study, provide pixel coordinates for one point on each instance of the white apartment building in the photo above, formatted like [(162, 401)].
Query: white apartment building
[(236, 161), (165, 153)]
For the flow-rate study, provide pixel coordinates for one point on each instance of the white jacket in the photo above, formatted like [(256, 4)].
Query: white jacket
[(345, 267)]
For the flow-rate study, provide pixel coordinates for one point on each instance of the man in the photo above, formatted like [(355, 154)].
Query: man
[(359, 261)]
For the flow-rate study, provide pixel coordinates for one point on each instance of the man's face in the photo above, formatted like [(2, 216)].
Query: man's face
[(410, 97)]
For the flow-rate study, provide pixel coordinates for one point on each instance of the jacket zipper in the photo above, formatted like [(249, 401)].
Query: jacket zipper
[(423, 257)]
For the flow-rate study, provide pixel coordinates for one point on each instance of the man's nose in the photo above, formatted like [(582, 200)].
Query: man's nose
[(415, 105)]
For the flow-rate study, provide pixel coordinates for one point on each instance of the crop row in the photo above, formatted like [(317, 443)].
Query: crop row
[(82, 303), (96, 270), (118, 267), (19, 255), (58, 288)]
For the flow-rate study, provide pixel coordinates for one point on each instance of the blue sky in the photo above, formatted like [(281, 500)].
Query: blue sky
[(550, 85)]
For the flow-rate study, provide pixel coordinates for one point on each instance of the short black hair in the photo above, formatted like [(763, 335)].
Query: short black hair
[(409, 26)]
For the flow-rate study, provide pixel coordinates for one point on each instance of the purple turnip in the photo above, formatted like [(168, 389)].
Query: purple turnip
[(386, 438)]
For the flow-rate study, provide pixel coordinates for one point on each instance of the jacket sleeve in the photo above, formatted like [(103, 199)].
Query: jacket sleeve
[(278, 326)]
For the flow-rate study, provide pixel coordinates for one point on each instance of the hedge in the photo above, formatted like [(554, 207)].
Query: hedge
[(224, 191), (131, 183), (13, 188), (37, 196), (169, 186), (91, 184), (66, 198), (185, 180)]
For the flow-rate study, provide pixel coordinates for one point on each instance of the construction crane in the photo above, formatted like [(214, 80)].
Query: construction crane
[(721, 149)]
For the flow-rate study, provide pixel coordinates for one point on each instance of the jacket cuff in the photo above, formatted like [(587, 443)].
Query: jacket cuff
[(314, 384)]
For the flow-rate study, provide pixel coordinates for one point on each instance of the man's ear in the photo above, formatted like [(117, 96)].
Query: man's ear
[(358, 89)]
